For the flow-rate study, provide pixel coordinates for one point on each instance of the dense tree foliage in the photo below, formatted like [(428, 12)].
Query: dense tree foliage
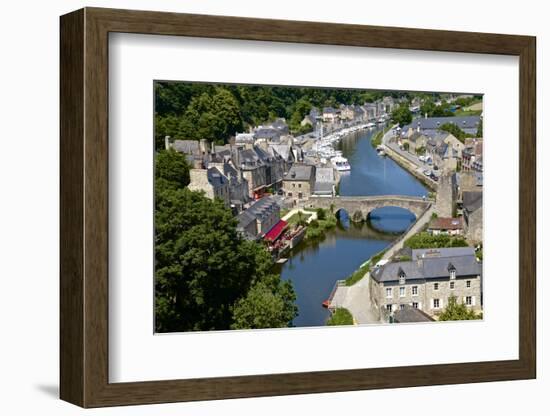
[(455, 131), (458, 312), (402, 115), (172, 168), (427, 240), (218, 111), (206, 275)]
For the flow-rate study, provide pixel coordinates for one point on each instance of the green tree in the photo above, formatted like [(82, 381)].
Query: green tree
[(458, 312), (203, 267), (402, 115), (172, 167), (321, 214), (455, 131), (268, 304), (341, 316)]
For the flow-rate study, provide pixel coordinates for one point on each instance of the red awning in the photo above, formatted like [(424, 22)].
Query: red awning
[(275, 231)]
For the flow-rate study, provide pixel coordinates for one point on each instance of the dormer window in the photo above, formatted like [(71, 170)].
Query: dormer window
[(452, 271), (401, 275)]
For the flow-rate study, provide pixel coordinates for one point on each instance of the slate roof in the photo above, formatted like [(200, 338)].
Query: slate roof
[(442, 252), (324, 175), (300, 172), (216, 178), (472, 200), (428, 268), (468, 124), (258, 210), (323, 188), (410, 314), (186, 146)]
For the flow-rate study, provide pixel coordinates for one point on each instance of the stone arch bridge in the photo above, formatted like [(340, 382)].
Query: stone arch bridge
[(367, 204)]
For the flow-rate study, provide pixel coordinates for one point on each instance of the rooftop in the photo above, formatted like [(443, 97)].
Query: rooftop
[(428, 268), (300, 172), (446, 223)]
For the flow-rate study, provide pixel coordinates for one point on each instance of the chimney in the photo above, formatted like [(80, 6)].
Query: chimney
[(167, 144), (213, 147), (203, 146), (425, 115)]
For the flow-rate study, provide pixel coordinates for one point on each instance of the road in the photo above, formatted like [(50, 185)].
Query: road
[(415, 163)]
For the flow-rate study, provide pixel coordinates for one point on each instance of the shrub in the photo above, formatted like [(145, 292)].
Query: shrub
[(321, 214), (341, 316)]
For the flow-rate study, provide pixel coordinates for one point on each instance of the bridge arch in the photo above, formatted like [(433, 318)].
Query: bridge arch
[(366, 204)]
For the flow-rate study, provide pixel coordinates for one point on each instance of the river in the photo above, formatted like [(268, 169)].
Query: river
[(313, 268)]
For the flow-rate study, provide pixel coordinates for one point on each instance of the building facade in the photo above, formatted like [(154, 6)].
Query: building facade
[(428, 281)]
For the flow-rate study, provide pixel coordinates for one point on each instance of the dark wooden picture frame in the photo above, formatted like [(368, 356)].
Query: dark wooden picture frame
[(84, 207)]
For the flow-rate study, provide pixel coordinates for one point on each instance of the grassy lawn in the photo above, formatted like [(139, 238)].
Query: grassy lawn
[(460, 113), (296, 218), (341, 317)]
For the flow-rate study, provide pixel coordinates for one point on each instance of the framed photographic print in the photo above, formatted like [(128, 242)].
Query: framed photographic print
[(255, 207)]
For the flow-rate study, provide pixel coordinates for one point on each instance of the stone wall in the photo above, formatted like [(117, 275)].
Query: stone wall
[(368, 204)]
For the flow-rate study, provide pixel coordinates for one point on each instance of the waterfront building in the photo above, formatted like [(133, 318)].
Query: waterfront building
[(330, 115), (299, 182), (325, 182), (259, 218), (428, 281)]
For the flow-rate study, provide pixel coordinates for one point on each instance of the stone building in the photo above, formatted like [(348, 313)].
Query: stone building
[(259, 218), (472, 211), (428, 281), (299, 182), (212, 182), (325, 182), (447, 193)]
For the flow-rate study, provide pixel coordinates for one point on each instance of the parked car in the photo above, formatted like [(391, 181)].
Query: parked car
[(433, 177), (428, 172)]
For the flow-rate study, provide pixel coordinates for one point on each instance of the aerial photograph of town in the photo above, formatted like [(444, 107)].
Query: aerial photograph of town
[(285, 207)]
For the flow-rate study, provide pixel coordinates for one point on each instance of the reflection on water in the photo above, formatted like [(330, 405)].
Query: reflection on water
[(315, 267)]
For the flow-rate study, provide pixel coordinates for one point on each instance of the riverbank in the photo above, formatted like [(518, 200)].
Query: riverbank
[(411, 168)]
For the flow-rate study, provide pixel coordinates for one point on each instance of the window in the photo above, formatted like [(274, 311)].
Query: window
[(401, 291), (468, 283), (436, 286), (415, 305), (436, 303), (415, 290), (299, 185), (388, 307), (294, 185), (402, 306), (300, 195), (452, 285), (453, 274), (468, 300), (289, 194), (388, 292)]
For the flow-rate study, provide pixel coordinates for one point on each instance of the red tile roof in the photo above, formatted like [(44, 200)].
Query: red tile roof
[(446, 223)]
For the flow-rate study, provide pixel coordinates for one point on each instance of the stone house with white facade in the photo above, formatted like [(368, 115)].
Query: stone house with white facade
[(428, 281)]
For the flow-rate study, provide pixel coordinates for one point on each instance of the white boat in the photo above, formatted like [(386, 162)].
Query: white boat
[(340, 163), (380, 150)]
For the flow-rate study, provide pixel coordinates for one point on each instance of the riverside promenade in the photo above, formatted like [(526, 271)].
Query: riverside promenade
[(406, 160)]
